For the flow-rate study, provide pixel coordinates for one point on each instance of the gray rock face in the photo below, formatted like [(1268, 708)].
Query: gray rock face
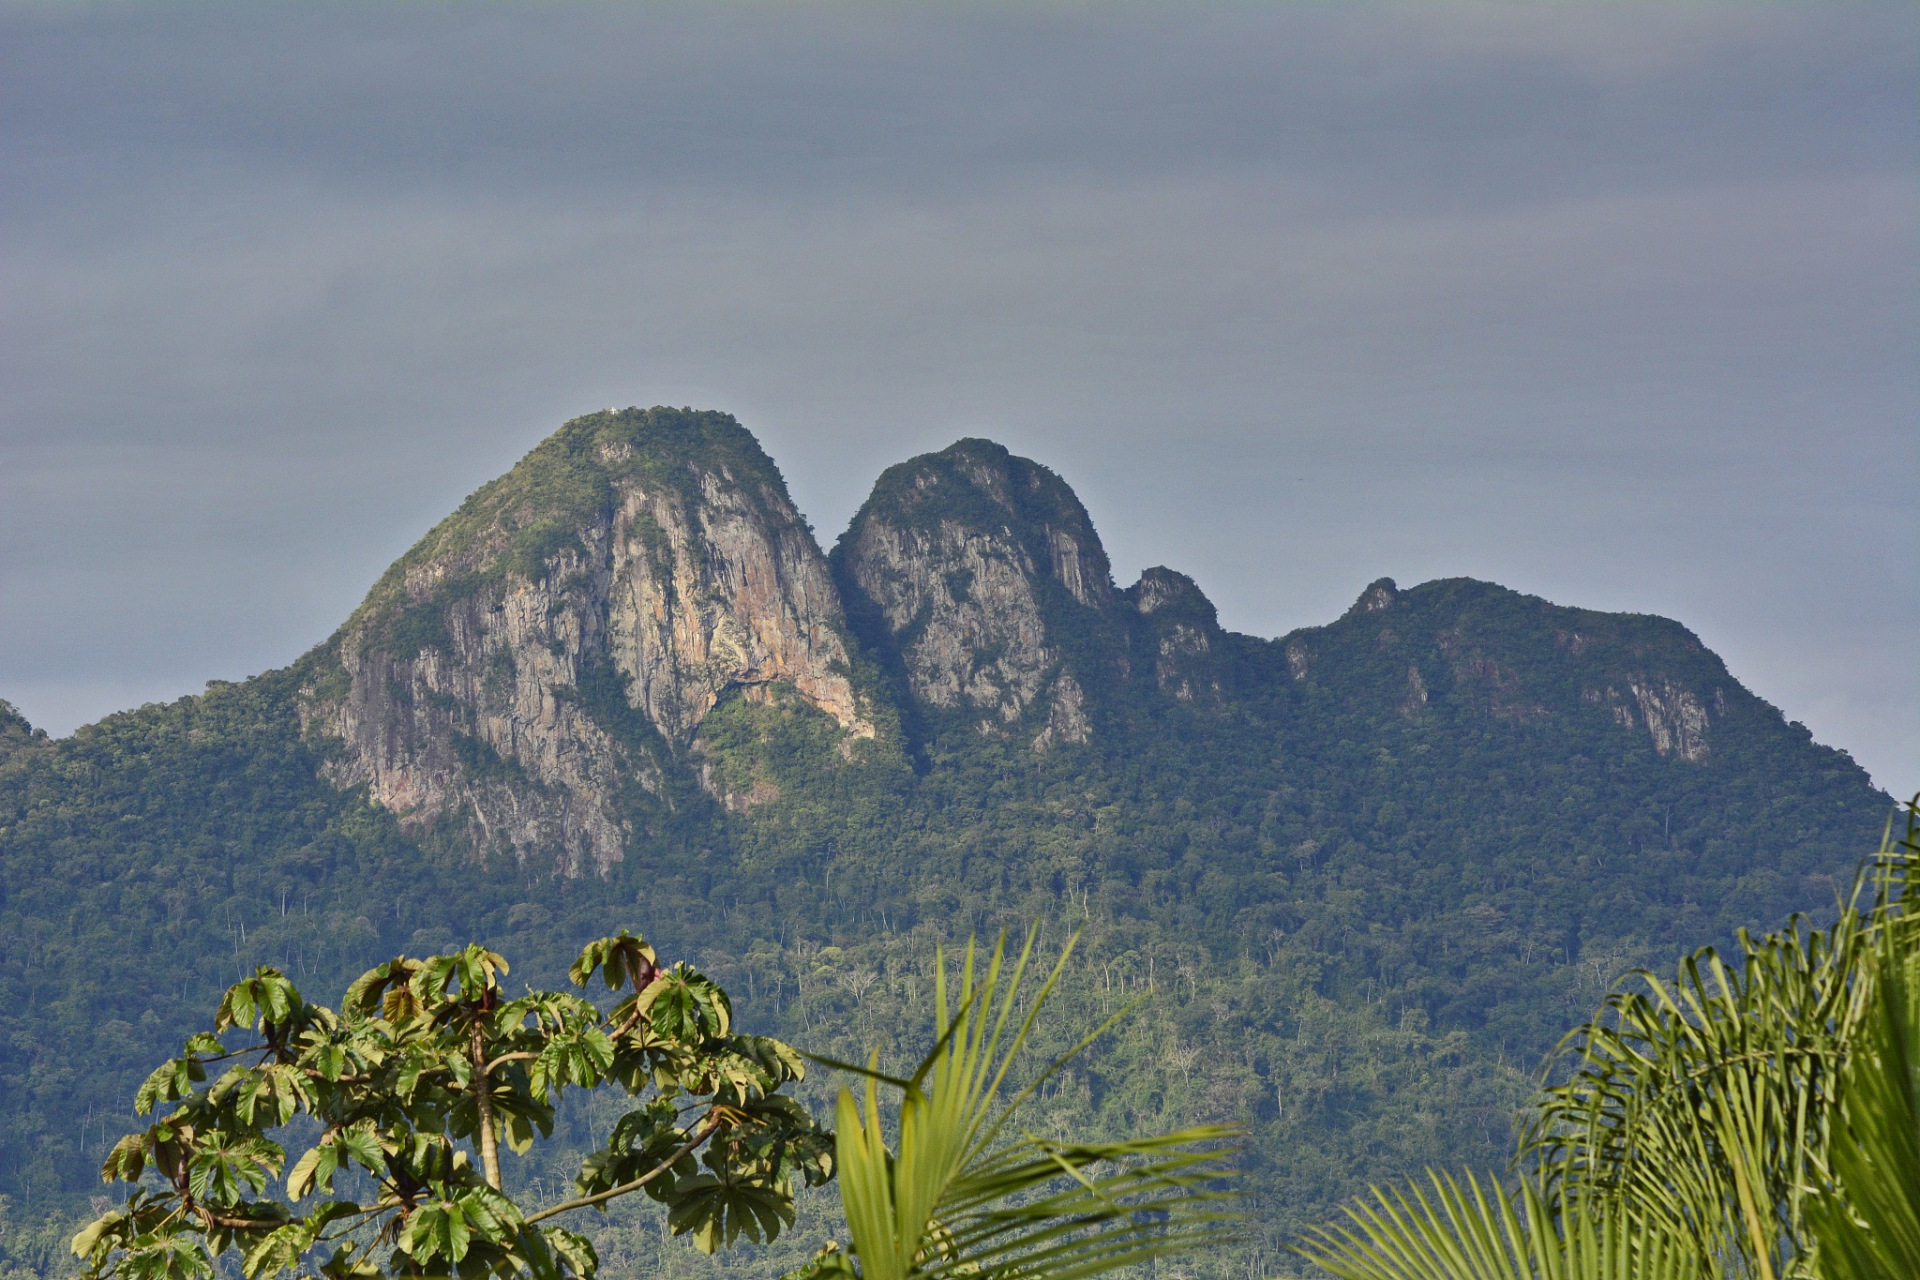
[(1177, 634), (963, 603), (534, 675), (1676, 720), (556, 642), (727, 592), (968, 563)]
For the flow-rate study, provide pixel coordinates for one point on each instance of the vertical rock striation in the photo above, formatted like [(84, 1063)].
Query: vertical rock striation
[(537, 671), (978, 576), (545, 652)]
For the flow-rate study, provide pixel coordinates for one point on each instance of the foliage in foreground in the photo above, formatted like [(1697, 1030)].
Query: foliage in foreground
[(1471, 1233), (964, 1193), (1868, 1223), (421, 1056), (1757, 1120), (1366, 927)]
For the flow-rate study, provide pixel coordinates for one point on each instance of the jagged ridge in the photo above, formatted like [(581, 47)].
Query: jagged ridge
[(542, 660)]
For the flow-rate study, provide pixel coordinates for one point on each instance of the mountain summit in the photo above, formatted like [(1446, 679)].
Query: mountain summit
[(558, 639), (554, 664), (978, 576)]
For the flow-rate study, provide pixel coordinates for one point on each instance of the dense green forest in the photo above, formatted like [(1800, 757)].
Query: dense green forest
[(1369, 872)]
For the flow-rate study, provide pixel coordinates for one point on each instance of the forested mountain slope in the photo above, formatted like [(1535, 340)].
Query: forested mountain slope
[(1369, 871)]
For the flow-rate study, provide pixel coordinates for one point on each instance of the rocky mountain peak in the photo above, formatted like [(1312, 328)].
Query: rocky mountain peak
[(558, 639), (1463, 644), (1167, 591), (541, 669), (1177, 633), (1379, 596), (978, 575)]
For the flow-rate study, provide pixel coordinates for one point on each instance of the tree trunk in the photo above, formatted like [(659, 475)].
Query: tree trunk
[(483, 1098)]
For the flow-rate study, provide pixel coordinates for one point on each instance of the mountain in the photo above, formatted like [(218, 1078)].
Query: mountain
[(1365, 873), (534, 665), (977, 579)]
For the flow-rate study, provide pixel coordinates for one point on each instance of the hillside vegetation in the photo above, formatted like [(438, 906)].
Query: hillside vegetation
[(1370, 871)]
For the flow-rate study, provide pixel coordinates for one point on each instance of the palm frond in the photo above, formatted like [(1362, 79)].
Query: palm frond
[(1868, 1225), (1473, 1232), (960, 1194), (1706, 1106)]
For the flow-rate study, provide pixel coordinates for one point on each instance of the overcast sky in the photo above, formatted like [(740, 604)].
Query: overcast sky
[(1612, 303)]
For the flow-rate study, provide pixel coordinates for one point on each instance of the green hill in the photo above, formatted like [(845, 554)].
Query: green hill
[(1369, 871)]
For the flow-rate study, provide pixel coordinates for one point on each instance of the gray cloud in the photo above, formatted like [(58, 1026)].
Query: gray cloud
[(1608, 303)]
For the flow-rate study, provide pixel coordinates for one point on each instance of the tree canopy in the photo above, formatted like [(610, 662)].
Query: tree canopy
[(1758, 1120), (425, 1065)]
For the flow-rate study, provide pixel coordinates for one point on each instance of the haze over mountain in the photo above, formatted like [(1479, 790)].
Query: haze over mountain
[(1367, 871)]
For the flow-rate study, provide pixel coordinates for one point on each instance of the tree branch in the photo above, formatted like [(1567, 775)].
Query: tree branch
[(312, 1074), (213, 1219), (601, 1197)]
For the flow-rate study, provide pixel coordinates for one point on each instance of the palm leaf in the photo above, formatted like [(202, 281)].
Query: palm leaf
[(1465, 1233), (1706, 1106), (1868, 1227), (962, 1193)]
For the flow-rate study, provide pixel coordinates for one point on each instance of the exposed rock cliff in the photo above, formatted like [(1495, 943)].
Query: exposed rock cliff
[(1177, 636), (979, 576), (539, 669), (1675, 719), (554, 644)]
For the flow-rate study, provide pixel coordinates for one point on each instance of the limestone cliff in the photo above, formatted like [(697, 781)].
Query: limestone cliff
[(552, 646), (978, 575)]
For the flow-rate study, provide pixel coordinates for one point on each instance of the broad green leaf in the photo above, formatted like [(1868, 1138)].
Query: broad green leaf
[(683, 1005), (519, 1132), (169, 1082), (173, 1255), (330, 1061), (100, 1234), (127, 1159), (364, 994), (716, 1212), (623, 958), (362, 1143), (313, 1170), (575, 1252)]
